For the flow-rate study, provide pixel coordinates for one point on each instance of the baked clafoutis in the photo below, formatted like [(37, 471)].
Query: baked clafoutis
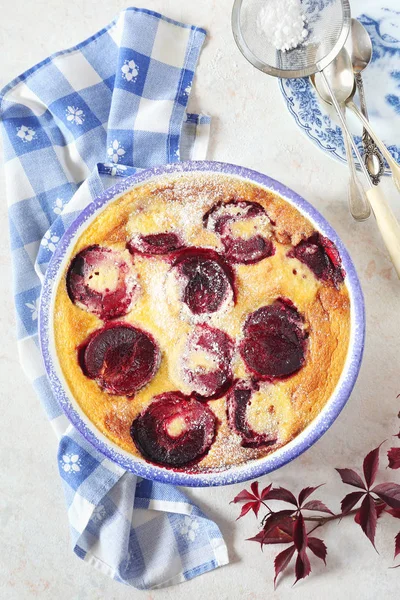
[(202, 321)]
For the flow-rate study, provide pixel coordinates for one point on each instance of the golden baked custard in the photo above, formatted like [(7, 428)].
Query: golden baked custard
[(202, 322)]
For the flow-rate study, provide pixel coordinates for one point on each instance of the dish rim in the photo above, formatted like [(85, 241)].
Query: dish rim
[(236, 474)]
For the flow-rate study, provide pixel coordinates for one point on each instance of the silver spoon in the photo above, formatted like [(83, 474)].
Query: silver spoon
[(359, 47), (336, 89), (358, 202), (344, 89)]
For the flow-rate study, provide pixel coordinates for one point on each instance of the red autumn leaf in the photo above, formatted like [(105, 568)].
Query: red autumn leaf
[(276, 536), (317, 505), (351, 478), (350, 501), (277, 530), (282, 560), (281, 533), (257, 538), (254, 488), (395, 512), (397, 545), (300, 533), (366, 517), (279, 519), (318, 547), (245, 495), (242, 496), (380, 508), (397, 435), (253, 499), (371, 465), (306, 492), (303, 566), (265, 492), (388, 492), (394, 458), (246, 508), (282, 494)]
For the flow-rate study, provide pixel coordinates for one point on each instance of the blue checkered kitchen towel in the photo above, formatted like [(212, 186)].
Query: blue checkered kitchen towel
[(70, 125)]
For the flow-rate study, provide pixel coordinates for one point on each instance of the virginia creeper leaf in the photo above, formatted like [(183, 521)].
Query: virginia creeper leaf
[(303, 566), (366, 517), (282, 494), (394, 458), (318, 547), (351, 478), (300, 533), (282, 560), (350, 501), (371, 465), (397, 545), (317, 505), (306, 492), (388, 492)]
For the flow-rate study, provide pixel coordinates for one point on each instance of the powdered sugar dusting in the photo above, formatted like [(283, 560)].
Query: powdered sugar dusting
[(179, 204), (283, 23)]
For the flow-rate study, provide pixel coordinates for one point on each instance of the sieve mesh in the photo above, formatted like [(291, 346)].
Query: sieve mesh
[(327, 22)]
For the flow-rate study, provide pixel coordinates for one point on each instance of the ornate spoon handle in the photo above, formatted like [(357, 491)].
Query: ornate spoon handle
[(376, 167), (393, 166)]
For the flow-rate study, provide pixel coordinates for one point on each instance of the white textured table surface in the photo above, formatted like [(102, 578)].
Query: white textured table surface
[(251, 127)]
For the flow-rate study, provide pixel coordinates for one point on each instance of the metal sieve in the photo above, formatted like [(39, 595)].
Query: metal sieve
[(327, 22)]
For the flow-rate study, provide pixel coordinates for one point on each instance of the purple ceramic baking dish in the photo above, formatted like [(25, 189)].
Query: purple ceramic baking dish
[(238, 473)]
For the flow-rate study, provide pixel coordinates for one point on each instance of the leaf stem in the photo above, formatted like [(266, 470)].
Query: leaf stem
[(323, 520), (266, 506)]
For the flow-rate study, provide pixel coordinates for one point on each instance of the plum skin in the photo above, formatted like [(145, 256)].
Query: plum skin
[(236, 249), (149, 430), (124, 368), (214, 384), (207, 279), (238, 400), (275, 341), (109, 304)]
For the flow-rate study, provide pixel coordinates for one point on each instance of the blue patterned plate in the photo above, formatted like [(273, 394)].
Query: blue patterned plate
[(381, 82)]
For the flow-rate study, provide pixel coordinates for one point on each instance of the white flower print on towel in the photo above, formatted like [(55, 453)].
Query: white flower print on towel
[(71, 463), (99, 513), (34, 308), (26, 133), (115, 169), (49, 241), (115, 151), (130, 70), (58, 207), (75, 115), (189, 528)]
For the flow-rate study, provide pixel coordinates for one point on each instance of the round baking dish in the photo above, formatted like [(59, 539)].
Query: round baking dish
[(234, 474)]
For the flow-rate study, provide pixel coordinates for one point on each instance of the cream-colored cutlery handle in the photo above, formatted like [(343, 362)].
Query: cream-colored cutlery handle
[(394, 167), (387, 224)]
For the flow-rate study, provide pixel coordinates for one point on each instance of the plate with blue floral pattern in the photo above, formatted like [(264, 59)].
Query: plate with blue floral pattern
[(381, 82)]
